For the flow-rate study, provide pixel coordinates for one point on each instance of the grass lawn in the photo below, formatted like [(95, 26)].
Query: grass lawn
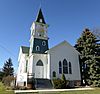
[(3, 90), (95, 91), (6, 92)]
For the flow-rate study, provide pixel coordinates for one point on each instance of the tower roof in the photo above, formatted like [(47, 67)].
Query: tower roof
[(40, 17)]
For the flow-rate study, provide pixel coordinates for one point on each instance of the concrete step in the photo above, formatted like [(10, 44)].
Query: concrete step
[(43, 84)]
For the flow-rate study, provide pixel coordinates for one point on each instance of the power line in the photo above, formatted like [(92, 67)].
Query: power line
[(8, 51)]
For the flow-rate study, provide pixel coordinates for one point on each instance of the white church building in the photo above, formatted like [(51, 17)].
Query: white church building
[(40, 62)]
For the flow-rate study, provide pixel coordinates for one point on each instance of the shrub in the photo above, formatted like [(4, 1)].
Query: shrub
[(57, 83), (7, 80), (63, 81)]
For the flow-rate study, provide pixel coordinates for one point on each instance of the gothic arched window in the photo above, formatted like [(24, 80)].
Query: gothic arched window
[(70, 68), (65, 66), (39, 63), (60, 67)]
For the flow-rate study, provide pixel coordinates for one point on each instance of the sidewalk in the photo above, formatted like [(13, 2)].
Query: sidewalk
[(51, 90)]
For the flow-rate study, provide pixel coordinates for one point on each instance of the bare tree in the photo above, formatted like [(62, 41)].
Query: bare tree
[(96, 32)]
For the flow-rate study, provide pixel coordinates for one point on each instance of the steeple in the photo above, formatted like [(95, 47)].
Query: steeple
[(39, 37), (40, 17)]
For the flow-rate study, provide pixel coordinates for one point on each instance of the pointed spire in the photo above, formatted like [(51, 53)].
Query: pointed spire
[(40, 17)]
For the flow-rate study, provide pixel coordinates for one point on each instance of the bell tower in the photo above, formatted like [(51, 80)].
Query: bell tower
[(39, 38)]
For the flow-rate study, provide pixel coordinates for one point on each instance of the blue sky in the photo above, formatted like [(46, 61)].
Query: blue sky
[(66, 18)]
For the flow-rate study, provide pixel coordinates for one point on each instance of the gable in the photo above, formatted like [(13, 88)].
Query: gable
[(64, 52), (63, 45), (23, 51)]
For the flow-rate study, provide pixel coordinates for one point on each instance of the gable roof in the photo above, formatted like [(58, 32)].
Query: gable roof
[(40, 16), (64, 43), (25, 49)]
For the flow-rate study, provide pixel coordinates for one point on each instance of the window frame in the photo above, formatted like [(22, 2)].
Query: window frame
[(26, 68), (65, 66), (39, 63), (60, 67), (43, 43), (37, 48), (70, 68), (53, 74)]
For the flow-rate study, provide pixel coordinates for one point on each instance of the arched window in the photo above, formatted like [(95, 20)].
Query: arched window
[(54, 74), (60, 67), (70, 68), (65, 66), (37, 48), (39, 63)]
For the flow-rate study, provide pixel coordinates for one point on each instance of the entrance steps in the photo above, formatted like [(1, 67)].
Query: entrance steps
[(43, 83)]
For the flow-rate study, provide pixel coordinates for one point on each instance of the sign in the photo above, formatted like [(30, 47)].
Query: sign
[(22, 77)]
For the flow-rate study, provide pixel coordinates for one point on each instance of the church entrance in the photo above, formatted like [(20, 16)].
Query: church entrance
[(39, 70)]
